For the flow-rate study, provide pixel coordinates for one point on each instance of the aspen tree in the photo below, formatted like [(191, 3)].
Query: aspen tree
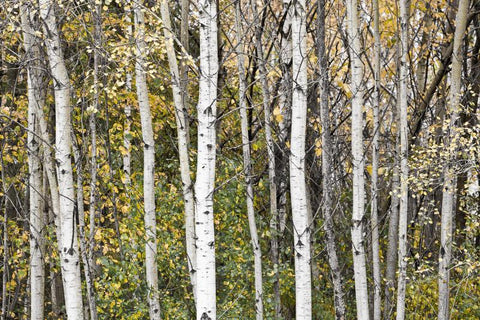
[(392, 238), (274, 220), (87, 262), (36, 100), (298, 187), (358, 162), (182, 136), (402, 113), (327, 164), (247, 164), (68, 244), (449, 183), (97, 43), (127, 158), (206, 159), (148, 163), (285, 106), (377, 279)]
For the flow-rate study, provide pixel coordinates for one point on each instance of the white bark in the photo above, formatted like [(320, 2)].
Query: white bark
[(148, 164), (89, 275), (257, 253), (182, 134), (128, 109), (184, 38), (206, 158), (298, 188), (377, 279), (68, 245), (391, 255), (285, 103), (327, 165), (358, 162), (274, 222), (87, 262), (402, 111), (37, 219), (449, 184)]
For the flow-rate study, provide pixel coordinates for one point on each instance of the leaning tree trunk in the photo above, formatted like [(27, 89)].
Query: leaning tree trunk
[(68, 245), (206, 159), (377, 280), (247, 164), (402, 112), (449, 184), (327, 165), (148, 165), (36, 99), (274, 220), (298, 188), (182, 133), (358, 162)]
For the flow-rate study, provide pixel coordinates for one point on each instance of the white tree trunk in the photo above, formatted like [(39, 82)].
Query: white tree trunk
[(182, 133), (298, 187), (449, 184), (358, 162), (206, 158), (391, 255), (69, 255), (377, 279), (85, 256), (148, 164), (327, 165), (37, 219), (402, 111), (128, 109), (274, 220), (257, 253), (285, 104)]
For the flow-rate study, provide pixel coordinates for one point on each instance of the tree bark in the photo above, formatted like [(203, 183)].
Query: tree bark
[(274, 219), (85, 255), (206, 159), (247, 164), (36, 100), (182, 134), (298, 188), (327, 164), (285, 105), (148, 164), (403, 111), (377, 279), (127, 159), (358, 162), (68, 245), (449, 183)]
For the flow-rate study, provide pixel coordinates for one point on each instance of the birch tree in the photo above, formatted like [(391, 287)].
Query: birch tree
[(402, 112), (358, 162), (298, 187), (127, 158), (148, 163), (327, 164), (182, 136), (275, 219), (449, 183), (36, 100), (206, 159), (247, 164), (68, 244), (377, 279)]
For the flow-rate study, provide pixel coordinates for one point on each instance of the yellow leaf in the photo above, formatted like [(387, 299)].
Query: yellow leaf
[(277, 114)]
